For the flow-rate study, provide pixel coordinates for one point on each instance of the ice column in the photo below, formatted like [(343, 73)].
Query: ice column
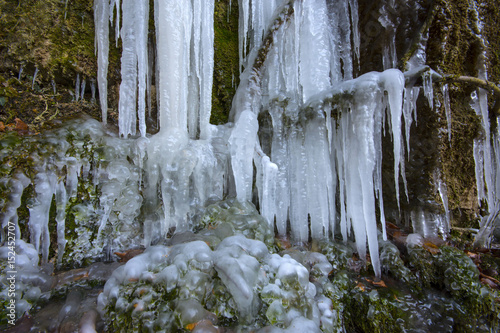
[(134, 67), (173, 26), (184, 161)]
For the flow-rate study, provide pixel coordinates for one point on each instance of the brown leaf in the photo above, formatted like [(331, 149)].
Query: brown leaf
[(127, 255), (379, 283), (361, 286), (21, 125), (2, 127), (432, 248)]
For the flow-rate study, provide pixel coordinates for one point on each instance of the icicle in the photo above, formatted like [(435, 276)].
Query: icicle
[(20, 72), (82, 90), (204, 59), (443, 193), (342, 25), (92, 90), (394, 84), (39, 213), (242, 145), (151, 61), (128, 87), (244, 15), (61, 202), (142, 16), (314, 63), (410, 112), (389, 52), (112, 5), (65, 9), (173, 28), (447, 108), (53, 83), (353, 5), (428, 89), (17, 184), (77, 87), (101, 17), (34, 78)]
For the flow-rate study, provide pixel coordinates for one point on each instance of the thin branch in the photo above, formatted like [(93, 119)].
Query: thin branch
[(490, 86), (412, 77)]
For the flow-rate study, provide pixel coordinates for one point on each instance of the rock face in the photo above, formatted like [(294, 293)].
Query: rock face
[(451, 36)]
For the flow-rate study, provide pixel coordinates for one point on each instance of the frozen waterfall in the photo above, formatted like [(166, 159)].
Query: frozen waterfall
[(315, 161), (319, 175)]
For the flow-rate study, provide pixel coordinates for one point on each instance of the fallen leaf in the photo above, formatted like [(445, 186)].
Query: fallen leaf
[(129, 254), (380, 283), (2, 127), (431, 248), (361, 286), (21, 125), (191, 326)]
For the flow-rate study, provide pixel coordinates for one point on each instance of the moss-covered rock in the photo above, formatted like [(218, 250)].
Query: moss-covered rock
[(226, 59)]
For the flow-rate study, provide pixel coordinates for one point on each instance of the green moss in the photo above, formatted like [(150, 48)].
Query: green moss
[(453, 47), (451, 270), (226, 60), (372, 312)]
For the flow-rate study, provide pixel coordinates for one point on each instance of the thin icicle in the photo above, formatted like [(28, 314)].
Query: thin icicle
[(428, 89), (92, 90), (142, 12), (21, 68), (353, 5), (443, 193), (53, 84), (34, 78), (82, 88), (77, 87), (128, 88), (447, 108), (61, 202)]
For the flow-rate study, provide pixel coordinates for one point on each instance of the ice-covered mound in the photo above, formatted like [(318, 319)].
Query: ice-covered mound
[(239, 282)]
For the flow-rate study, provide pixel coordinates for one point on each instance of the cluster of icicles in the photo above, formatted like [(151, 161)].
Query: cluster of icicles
[(316, 175), (312, 163)]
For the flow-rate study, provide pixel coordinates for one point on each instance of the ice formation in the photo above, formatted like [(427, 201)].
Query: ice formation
[(320, 174), (101, 17), (486, 152), (306, 77)]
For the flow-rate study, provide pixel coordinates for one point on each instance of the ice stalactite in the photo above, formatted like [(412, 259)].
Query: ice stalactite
[(389, 53), (443, 193), (255, 17), (311, 153), (486, 149), (101, 19), (184, 163), (92, 90), (132, 103), (77, 88), (447, 108), (39, 213), (34, 78), (16, 184)]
